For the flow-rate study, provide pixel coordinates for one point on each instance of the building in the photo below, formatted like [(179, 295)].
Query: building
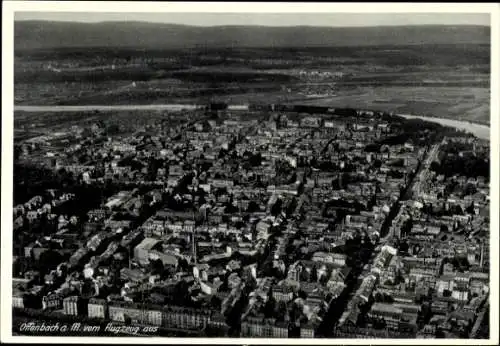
[(18, 290), (97, 308), (18, 300), (253, 326), (307, 331), (282, 293), (259, 326), (139, 313), (218, 321), (365, 290), (335, 258), (141, 251), (70, 305), (280, 330), (52, 301), (390, 314), (184, 317)]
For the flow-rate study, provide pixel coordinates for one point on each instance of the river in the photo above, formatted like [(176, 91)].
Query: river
[(478, 130)]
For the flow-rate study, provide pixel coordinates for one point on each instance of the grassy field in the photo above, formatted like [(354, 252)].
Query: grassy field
[(447, 102)]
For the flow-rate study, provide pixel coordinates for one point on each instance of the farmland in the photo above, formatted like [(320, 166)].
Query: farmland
[(441, 80)]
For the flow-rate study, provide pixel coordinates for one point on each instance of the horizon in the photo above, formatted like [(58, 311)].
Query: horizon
[(328, 20), (254, 25)]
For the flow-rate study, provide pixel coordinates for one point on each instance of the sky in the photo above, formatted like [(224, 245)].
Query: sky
[(268, 19)]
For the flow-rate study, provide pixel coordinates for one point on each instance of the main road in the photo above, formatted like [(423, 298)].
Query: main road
[(420, 176), (92, 108)]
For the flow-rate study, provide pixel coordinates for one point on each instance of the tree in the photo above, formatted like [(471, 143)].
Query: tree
[(267, 268), (470, 208), (252, 206), (49, 260), (276, 208), (435, 166), (169, 271), (183, 264), (32, 301), (457, 210), (256, 160), (269, 307), (372, 148), (305, 275), (470, 190), (157, 267), (314, 274), (112, 129), (281, 311)]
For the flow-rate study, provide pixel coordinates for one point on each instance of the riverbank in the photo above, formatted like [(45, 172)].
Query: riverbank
[(479, 130)]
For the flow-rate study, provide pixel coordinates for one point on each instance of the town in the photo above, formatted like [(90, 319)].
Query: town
[(259, 221)]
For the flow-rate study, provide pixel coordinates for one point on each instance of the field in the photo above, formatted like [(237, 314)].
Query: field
[(454, 102), (440, 80)]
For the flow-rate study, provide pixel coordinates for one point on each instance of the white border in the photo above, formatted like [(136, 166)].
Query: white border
[(246, 7), (90, 6)]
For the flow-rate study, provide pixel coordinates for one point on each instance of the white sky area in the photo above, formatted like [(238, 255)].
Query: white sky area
[(268, 19)]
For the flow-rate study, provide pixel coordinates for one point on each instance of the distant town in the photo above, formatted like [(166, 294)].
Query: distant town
[(266, 221)]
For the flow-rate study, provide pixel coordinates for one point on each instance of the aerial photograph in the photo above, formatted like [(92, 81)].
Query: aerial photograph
[(251, 175)]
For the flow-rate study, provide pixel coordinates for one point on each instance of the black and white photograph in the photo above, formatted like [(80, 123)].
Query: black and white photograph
[(216, 173)]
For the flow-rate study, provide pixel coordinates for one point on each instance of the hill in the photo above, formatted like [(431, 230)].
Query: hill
[(47, 34)]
